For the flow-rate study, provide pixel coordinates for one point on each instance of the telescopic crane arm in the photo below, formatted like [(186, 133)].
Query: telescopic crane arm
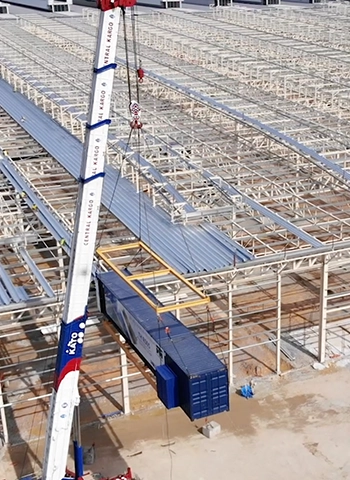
[(65, 395)]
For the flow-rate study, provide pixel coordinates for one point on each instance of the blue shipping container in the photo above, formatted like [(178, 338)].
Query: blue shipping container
[(200, 382)]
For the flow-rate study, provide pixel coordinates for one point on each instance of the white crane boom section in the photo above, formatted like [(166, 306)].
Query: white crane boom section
[(65, 395)]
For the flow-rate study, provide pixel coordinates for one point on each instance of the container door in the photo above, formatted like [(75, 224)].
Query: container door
[(199, 398), (218, 385)]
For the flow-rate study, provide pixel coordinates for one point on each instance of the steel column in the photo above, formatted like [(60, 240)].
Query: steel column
[(279, 321), (125, 380), (322, 334), (3, 415), (230, 334)]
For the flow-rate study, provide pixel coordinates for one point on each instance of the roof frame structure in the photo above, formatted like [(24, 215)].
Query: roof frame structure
[(40, 26), (219, 168)]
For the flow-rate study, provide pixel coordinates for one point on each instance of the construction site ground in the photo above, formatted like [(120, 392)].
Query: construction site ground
[(296, 426)]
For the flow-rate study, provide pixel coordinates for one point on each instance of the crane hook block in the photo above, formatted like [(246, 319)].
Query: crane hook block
[(135, 111), (105, 5)]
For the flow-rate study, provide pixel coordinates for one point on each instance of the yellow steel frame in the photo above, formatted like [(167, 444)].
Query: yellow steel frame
[(103, 253)]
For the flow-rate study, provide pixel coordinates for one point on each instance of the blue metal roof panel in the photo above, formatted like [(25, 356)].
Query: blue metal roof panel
[(195, 250)]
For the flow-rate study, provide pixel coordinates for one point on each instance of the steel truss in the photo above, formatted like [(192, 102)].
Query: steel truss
[(207, 196), (246, 126)]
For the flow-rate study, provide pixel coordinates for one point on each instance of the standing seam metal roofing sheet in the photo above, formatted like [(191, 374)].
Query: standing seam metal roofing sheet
[(195, 251), (36, 4)]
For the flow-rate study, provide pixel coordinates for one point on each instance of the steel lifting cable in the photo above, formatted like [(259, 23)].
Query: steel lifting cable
[(135, 108), (126, 55), (134, 124), (103, 226), (138, 65)]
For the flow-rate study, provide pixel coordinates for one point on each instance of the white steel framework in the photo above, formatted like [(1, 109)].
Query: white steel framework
[(286, 204)]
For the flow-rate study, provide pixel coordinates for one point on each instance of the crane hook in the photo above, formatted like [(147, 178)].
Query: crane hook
[(140, 72), (135, 111)]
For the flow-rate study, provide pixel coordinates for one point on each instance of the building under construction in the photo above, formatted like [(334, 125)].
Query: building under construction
[(238, 182)]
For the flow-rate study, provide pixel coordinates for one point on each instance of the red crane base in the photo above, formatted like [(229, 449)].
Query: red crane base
[(88, 476), (105, 5)]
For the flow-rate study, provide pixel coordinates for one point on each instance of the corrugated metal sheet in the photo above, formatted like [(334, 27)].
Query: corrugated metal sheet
[(7, 283), (144, 164), (202, 395), (37, 4), (9, 293), (12, 294), (37, 272), (241, 255), (196, 249), (4, 297), (44, 214)]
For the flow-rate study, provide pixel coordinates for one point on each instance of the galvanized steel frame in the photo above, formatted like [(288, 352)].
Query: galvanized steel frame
[(309, 186)]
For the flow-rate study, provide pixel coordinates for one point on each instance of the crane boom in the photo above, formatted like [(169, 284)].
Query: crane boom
[(65, 395)]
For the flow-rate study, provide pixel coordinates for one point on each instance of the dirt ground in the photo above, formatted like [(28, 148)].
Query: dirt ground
[(297, 426)]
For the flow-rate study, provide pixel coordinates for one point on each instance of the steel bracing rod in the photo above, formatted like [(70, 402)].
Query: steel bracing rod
[(65, 395)]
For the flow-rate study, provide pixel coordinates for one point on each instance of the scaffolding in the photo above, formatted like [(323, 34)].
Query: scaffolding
[(246, 128)]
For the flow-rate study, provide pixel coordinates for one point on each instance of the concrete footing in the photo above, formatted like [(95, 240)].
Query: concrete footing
[(211, 429)]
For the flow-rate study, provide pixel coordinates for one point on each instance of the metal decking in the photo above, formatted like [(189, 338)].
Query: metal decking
[(44, 5), (196, 249)]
